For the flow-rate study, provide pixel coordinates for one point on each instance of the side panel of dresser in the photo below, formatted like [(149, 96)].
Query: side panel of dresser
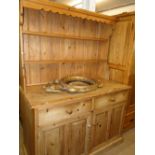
[(121, 60), (27, 121), (129, 120)]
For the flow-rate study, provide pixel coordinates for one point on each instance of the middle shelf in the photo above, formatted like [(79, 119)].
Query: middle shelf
[(62, 61), (67, 36)]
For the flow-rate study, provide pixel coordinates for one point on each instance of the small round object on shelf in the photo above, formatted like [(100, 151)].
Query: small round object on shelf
[(73, 84), (78, 84), (53, 87)]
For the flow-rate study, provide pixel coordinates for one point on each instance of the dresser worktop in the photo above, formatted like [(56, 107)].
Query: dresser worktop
[(38, 98)]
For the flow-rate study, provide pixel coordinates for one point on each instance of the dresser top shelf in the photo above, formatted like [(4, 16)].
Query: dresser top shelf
[(66, 10)]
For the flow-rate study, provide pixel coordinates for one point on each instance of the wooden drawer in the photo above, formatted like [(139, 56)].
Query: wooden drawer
[(103, 101), (130, 108), (129, 121), (61, 113), (129, 118)]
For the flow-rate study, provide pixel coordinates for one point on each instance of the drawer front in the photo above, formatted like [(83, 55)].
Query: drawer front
[(107, 100), (61, 113), (130, 108), (130, 118), (129, 121)]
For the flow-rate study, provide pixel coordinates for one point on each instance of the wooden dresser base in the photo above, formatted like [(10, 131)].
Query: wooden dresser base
[(102, 147), (92, 121)]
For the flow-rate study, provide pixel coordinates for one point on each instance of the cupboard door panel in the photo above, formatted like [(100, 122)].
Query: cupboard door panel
[(100, 128), (120, 44), (72, 138), (116, 75), (116, 121), (54, 141), (77, 138)]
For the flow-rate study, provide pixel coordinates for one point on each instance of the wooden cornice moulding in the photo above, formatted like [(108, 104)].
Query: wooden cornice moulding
[(67, 10), (125, 14)]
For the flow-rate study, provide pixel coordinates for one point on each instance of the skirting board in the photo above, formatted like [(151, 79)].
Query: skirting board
[(107, 145)]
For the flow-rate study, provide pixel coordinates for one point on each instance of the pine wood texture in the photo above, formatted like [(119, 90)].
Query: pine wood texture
[(64, 138), (121, 58), (55, 45), (121, 50), (101, 128), (129, 121), (60, 123), (57, 41), (64, 112), (116, 120), (40, 99), (54, 141), (77, 138), (47, 5), (56, 35), (27, 119)]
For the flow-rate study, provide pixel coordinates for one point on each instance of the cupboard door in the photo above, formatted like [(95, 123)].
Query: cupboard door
[(52, 142), (78, 137), (71, 138), (116, 120), (121, 50), (101, 124), (121, 44)]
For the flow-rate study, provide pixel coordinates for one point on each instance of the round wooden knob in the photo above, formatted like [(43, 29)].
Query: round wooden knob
[(89, 125), (112, 99), (69, 112)]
